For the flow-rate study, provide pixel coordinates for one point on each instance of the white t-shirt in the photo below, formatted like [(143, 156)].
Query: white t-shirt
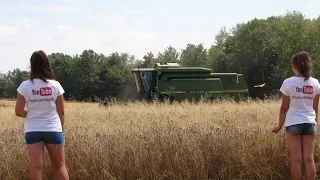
[(301, 95), (40, 99)]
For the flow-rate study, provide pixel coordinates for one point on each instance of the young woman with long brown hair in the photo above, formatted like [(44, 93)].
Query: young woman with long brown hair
[(299, 114), (44, 116)]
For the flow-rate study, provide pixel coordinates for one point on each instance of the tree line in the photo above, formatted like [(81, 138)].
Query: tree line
[(260, 49)]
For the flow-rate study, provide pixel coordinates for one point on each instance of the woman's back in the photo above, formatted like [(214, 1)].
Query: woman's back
[(41, 98), (301, 93)]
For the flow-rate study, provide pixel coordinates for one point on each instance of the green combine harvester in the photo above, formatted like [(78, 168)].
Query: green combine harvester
[(170, 81)]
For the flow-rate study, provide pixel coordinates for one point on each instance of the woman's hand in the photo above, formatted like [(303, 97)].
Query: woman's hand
[(282, 114), (276, 129)]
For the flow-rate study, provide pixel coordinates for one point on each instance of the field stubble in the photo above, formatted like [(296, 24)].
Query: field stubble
[(159, 141)]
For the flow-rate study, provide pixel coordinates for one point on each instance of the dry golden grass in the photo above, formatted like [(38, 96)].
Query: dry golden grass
[(160, 141)]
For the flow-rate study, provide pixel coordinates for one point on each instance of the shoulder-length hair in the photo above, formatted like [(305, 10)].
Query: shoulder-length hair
[(303, 62), (40, 66)]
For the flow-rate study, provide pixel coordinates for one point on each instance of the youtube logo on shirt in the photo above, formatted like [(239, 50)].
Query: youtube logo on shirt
[(45, 91), (307, 90)]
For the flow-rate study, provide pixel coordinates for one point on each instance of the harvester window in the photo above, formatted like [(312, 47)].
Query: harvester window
[(136, 78), (146, 79)]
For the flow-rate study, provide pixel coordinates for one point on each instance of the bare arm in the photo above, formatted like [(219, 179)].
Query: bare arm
[(315, 105), (60, 109), (20, 104), (282, 114), (283, 109)]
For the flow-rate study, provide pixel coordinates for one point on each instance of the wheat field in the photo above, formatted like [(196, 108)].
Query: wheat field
[(219, 140)]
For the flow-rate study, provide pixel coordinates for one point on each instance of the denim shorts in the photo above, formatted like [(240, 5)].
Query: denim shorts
[(303, 129), (46, 137)]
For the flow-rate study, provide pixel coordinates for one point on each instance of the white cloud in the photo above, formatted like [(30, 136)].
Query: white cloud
[(114, 20), (26, 23), (58, 9), (309, 6), (25, 35), (7, 30), (132, 12), (26, 20), (135, 13), (20, 37), (46, 9), (72, 39), (311, 9), (8, 8)]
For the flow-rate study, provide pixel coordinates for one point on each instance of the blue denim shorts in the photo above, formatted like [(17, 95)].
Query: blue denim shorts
[(303, 129), (46, 137)]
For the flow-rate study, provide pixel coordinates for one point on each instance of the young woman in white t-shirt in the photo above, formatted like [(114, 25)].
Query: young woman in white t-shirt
[(44, 116), (299, 114)]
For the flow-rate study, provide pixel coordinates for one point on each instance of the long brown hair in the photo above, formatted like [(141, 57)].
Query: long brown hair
[(40, 66), (303, 62)]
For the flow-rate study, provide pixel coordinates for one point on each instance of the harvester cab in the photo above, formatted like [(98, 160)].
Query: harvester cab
[(145, 80)]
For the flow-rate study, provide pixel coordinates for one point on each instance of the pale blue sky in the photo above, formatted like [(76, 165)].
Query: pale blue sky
[(135, 27)]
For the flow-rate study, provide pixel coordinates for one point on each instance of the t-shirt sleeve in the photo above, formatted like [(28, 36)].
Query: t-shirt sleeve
[(20, 89), (318, 88), (60, 89), (284, 88)]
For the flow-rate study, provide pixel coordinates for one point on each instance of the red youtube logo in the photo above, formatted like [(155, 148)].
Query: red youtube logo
[(45, 91), (307, 90)]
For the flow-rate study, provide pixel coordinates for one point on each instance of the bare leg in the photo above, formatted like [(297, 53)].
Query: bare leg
[(36, 155), (308, 142), (295, 146), (58, 160)]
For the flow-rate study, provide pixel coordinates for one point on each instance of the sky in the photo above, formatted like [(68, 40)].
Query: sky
[(134, 27)]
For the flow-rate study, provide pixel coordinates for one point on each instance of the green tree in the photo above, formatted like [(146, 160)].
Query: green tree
[(217, 59), (170, 55), (2, 84), (86, 69), (222, 37), (194, 55), (64, 70), (11, 81), (261, 49), (149, 60)]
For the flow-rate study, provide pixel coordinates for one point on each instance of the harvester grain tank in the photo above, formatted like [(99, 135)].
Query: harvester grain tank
[(171, 81)]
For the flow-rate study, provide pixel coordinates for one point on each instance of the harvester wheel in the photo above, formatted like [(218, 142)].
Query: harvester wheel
[(171, 98), (164, 98)]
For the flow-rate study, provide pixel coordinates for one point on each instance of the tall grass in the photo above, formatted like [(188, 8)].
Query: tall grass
[(220, 140)]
